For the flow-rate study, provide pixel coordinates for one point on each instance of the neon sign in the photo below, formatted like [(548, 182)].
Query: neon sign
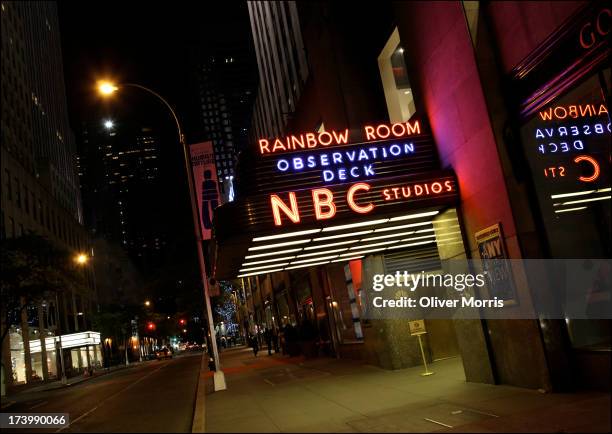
[(360, 198), (333, 138), (574, 111), (423, 189), (343, 165)]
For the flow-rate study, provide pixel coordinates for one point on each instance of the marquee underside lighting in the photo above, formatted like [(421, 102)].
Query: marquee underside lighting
[(348, 242)]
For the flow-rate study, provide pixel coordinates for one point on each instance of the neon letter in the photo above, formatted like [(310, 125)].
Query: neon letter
[(318, 203), (278, 205), (350, 198), (263, 146), (596, 170)]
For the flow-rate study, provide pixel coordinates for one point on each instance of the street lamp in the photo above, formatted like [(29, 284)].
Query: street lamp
[(81, 259), (147, 303), (107, 88)]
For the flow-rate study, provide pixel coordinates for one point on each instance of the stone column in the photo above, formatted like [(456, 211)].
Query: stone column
[(42, 336), (25, 337)]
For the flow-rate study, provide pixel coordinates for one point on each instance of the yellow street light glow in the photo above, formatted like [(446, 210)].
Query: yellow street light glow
[(81, 259), (106, 87), (147, 303), (272, 246)]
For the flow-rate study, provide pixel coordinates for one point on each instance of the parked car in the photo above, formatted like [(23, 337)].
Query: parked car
[(164, 353)]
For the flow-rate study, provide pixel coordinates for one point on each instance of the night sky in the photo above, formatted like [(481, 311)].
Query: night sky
[(149, 44)]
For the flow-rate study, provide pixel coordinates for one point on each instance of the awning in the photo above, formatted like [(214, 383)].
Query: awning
[(68, 341)]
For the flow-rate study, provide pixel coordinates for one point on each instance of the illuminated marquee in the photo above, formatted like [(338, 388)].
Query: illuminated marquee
[(341, 174), (358, 198), (332, 138)]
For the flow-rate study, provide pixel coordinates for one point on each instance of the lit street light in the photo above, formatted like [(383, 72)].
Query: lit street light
[(106, 88), (147, 303), (109, 124), (81, 259)]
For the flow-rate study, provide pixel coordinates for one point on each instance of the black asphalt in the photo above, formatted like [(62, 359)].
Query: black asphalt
[(157, 396)]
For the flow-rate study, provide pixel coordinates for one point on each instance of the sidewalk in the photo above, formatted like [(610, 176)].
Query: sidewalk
[(277, 394), (28, 392)]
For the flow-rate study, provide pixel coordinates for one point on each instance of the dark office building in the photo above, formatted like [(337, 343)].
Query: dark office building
[(505, 104), (225, 79), (119, 172), (40, 191)]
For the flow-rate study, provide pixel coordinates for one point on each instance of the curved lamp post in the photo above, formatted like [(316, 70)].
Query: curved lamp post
[(107, 88)]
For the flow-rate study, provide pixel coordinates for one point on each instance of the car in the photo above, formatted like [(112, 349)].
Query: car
[(164, 353)]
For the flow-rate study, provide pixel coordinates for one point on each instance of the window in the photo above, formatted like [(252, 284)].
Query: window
[(394, 76)]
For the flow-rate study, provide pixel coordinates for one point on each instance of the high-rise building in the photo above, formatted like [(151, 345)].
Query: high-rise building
[(119, 175), (282, 64), (225, 78), (40, 191)]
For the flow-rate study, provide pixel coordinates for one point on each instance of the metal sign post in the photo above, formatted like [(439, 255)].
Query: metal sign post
[(417, 328)]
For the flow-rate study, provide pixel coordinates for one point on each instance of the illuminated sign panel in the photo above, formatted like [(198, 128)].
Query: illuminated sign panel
[(568, 148), (318, 177)]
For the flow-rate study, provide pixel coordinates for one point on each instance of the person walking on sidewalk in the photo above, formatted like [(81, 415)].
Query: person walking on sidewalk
[(254, 344), (268, 336)]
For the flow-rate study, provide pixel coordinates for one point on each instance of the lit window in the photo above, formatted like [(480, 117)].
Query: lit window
[(394, 76)]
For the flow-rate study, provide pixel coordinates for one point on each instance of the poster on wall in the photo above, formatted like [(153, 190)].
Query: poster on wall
[(206, 184), (492, 251)]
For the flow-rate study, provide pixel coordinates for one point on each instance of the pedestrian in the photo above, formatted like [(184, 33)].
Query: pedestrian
[(268, 336), (255, 345), (275, 341)]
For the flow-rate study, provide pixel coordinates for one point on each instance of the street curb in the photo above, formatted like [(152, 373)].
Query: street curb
[(199, 412)]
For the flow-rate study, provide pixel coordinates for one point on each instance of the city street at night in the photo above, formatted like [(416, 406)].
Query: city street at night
[(306, 216), (155, 396)]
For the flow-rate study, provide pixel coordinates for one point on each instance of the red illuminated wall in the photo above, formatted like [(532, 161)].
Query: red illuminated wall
[(447, 86), (520, 26), (444, 74)]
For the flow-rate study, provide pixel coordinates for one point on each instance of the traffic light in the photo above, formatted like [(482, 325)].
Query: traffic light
[(151, 326), (182, 322)]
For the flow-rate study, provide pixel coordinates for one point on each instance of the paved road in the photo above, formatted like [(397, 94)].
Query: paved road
[(156, 396)]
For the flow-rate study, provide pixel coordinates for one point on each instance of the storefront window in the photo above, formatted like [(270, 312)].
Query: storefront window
[(17, 357), (394, 76), (567, 143)]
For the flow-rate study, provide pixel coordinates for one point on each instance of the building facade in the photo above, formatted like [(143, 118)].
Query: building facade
[(488, 93), (40, 191), (119, 168), (224, 79)]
